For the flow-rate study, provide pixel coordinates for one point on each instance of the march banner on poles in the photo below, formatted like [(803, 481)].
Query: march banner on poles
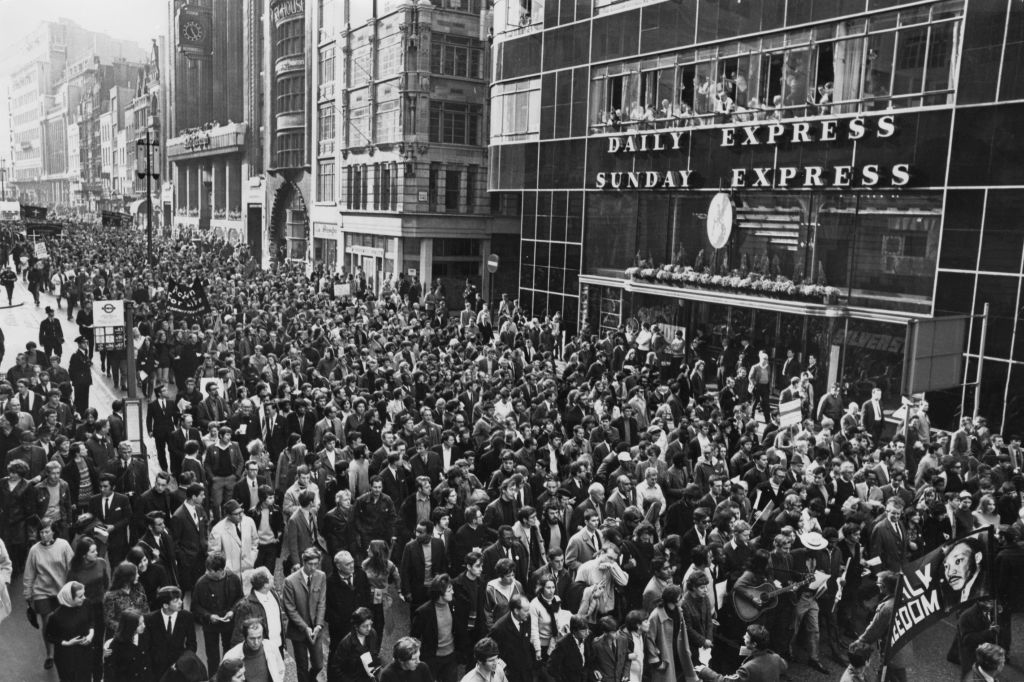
[(942, 582)]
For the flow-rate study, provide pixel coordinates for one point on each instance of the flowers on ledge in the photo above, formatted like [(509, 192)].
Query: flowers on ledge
[(743, 283)]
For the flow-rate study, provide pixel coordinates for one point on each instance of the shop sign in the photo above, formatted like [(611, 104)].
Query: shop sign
[(282, 11), (764, 134), (360, 250), (870, 341), (198, 139)]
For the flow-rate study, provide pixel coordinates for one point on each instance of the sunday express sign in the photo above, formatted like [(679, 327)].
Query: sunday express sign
[(763, 135), (945, 580)]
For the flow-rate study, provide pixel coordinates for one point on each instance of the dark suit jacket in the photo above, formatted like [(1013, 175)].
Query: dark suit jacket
[(119, 516), (164, 647), (160, 421), (431, 468), (339, 531), (190, 542), (343, 600), (177, 440), (494, 552), (413, 568), (396, 484), (566, 664), (887, 546), (515, 648), (306, 430), (241, 491)]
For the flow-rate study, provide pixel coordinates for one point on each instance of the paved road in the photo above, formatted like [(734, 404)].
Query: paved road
[(21, 651)]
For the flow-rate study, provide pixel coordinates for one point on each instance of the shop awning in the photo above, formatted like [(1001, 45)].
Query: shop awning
[(792, 307), (137, 206)]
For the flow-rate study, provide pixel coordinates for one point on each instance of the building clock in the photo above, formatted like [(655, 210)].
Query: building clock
[(192, 31), (720, 219)]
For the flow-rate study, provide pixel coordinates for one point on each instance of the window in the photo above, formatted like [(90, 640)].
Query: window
[(384, 180), (325, 16), (325, 69), (387, 121), (290, 149), (471, 6), (515, 110), (362, 67), (452, 182), (359, 126), (295, 226), (325, 180), (291, 93), (325, 119), (389, 56), (456, 56), (453, 123), (290, 39), (356, 187), (471, 175), (433, 183)]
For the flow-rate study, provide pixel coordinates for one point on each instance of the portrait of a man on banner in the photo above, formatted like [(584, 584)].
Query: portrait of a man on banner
[(944, 581)]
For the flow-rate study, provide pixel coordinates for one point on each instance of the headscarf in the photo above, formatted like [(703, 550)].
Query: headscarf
[(66, 596)]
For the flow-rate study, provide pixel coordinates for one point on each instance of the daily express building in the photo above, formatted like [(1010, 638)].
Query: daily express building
[(809, 174)]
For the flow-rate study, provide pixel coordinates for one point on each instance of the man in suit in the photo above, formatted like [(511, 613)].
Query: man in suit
[(305, 601), (506, 547), (246, 491), (512, 634), (28, 401), (964, 575), (595, 501), (189, 530), (157, 499), (302, 422), (100, 447), (889, 537), (169, 631), (329, 424), (244, 424), (347, 589), (395, 478), (131, 476), (585, 544), (51, 334), (426, 463), (872, 417), (274, 431), (422, 557), (301, 531), (570, 659), (114, 511), (159, 540), (80, 371), (160, 419), (177, 439)]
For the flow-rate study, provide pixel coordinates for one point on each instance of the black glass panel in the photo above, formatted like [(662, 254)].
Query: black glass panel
[(1003, 238), (961, 232)]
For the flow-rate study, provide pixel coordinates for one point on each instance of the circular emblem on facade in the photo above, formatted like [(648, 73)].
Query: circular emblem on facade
[(108, 308), (720, 220), (192, 31)]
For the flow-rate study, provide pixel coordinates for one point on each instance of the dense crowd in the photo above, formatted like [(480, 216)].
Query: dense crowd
[(579, 510)]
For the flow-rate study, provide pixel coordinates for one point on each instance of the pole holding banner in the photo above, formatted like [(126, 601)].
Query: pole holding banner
[(981, 359)]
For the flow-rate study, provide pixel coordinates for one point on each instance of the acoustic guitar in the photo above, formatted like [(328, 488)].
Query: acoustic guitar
[(750, 610)]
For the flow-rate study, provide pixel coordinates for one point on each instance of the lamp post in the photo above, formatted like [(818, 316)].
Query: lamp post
[(3, 179), (148, 145)]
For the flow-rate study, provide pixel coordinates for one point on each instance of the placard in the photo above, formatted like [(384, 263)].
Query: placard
[(342, 290), (41, 252), (789, 413)]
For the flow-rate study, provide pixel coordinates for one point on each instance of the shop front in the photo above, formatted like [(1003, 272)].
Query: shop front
[(858, 348)]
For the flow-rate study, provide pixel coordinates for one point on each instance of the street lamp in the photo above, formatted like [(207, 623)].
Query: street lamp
[(148, 145)]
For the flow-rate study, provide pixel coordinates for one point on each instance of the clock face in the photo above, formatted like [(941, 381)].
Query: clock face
[(719, 220), (192, 31)]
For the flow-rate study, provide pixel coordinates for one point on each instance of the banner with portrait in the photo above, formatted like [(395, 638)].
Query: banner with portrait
[(941, 582)]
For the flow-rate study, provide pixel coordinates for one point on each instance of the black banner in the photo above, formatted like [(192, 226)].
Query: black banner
[(33, 212), (116, 219), (941, 582), (187, 299)]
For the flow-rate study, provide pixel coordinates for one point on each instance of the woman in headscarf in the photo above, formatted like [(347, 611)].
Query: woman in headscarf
[(92, 571), (129, 657), (70, 630)]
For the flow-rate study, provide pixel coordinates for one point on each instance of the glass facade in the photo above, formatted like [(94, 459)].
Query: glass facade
[(866, 151)]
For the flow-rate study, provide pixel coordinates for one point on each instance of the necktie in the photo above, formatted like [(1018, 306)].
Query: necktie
[(312, 530), (106, 507), (597, 546), (169, 625)]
